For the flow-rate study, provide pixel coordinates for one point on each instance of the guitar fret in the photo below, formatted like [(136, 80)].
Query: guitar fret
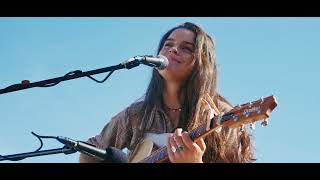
[(197, 131), (157, 157), (163, 153), (227, 116)]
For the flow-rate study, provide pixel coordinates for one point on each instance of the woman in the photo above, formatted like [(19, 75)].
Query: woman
[(178, 99)]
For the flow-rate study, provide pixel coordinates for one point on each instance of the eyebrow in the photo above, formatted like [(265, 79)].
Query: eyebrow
[(170, 39)]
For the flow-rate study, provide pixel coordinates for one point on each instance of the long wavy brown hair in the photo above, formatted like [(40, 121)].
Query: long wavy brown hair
[(203, 80)]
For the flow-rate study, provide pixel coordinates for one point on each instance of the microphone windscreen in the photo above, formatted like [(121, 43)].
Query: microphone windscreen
[(115, 155), (165, 62)]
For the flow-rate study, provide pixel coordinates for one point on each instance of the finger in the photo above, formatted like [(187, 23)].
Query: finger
[(201, 144), (196, 147), (173, 145), (212, 113), (169, 151), (178, 140), (178, 131), (207, 106), (212, 106), (208, 114), (187, 141), (210, 101)]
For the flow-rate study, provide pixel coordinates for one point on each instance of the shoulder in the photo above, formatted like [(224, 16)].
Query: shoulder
[(133, 112), (132, 109), (135, 108), (129, 113)]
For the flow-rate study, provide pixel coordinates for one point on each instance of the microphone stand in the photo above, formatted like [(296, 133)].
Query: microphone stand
[(18, 157), (25, 84)]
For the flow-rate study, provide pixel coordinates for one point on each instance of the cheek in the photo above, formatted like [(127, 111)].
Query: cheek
[(162, 52), (184, 67), (177, 71), (189, 66), (189, 62)]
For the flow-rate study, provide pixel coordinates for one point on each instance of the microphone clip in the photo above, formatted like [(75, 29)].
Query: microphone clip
[(132, 62)]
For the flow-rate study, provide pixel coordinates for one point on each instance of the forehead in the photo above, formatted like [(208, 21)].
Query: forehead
[(182, 34)]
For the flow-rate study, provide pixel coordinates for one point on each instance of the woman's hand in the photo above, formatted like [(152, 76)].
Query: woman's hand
[(181, 149)]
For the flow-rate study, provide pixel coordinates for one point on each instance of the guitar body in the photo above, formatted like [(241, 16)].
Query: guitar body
[(144, 150)]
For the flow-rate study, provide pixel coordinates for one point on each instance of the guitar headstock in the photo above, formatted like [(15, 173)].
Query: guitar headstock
[(250, 112)]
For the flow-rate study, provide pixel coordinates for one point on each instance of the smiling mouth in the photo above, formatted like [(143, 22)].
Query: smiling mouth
[(174, 59)]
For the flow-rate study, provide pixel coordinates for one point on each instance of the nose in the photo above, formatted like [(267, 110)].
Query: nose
[(173, 49)]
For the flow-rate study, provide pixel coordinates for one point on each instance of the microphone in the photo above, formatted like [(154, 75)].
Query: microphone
[(160, 62), (110, 155)]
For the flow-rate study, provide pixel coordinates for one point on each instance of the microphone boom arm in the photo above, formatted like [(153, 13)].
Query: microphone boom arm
[(37, 152), (50, 82), (17, 157), (128, 64)]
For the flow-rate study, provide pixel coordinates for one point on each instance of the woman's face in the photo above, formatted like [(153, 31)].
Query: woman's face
[(179, 48)]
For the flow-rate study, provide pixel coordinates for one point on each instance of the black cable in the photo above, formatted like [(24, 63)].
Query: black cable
[(78, 72), (103, 79), (68, 74)]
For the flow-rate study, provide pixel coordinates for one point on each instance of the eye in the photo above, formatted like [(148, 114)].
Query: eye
[(167, 44), (187, 49)]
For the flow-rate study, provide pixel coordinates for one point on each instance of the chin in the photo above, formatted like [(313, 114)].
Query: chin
[(169, 74)]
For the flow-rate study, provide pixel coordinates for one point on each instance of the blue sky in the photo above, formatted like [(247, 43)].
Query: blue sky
[(256, 57)]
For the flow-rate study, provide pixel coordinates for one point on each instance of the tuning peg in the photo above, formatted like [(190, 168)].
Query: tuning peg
[(252, 126), (264, 123), (261, 100)]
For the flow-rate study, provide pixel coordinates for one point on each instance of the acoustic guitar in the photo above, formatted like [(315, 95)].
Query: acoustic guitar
[(239, 116)]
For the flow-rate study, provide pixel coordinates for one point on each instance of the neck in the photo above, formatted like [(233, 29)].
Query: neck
[(172, 95)]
